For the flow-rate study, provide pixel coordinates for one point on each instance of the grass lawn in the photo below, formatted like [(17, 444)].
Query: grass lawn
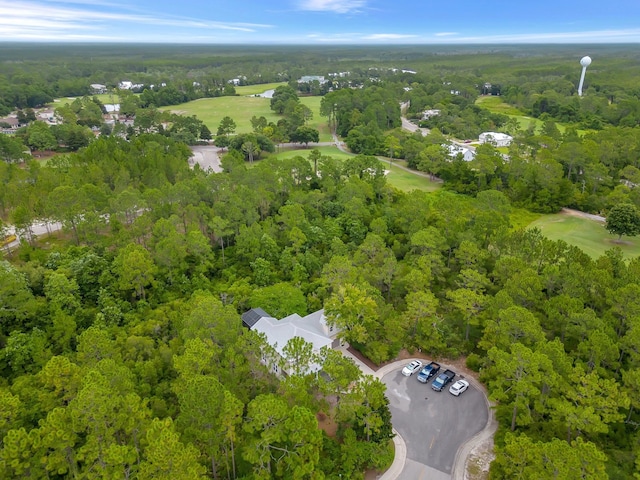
[(242, 108), (401, 179), (105, 98), (407, 181), (589, 235), (522, 218), (496, 105), (256, 89), (318, 122), (304, 152)]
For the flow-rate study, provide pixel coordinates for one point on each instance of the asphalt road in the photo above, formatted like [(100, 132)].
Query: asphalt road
[(433, 424)]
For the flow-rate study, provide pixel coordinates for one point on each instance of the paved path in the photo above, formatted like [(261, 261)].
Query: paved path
[(207, 157), (578, 213)]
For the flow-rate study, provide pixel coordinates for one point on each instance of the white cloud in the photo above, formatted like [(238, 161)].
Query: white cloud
[(337, 6), (445, 34), (387, 36), (595, 36), (50, 20)]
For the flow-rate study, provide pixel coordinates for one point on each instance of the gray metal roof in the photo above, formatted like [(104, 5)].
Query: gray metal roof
[(250, 318)]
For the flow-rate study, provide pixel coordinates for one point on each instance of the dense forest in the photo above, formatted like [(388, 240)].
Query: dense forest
[(121, 336)]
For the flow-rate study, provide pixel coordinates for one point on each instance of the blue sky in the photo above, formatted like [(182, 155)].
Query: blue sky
[(321, 21)]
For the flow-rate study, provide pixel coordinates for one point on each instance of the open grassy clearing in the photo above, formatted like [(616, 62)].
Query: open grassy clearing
[(105, 98), (407, 181), (242, 108), (318, 121), (496, 105), (589, 235), (334, 152), (399, 178), (256, 89)]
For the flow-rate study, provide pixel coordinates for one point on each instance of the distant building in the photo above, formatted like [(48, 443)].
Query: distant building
[(98, 88), (127, 85), (409, 71), (427, 114), (312, 78), (455, 150), (340, 74), (496, 139)]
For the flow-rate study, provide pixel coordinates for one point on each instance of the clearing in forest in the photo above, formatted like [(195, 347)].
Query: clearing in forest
[(589, 235)]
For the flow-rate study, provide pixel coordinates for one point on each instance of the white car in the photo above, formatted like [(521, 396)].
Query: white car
[(458, 387), (412, 367)]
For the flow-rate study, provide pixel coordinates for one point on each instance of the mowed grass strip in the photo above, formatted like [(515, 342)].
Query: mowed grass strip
[(589, 235)]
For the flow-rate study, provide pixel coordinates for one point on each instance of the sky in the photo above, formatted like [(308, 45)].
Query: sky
[(318, 22)]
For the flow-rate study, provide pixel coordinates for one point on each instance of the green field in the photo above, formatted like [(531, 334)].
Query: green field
[(304, 152), (105, 98), (589, 235), (242, 108), (399, 178), (496, 105), (256, 89)]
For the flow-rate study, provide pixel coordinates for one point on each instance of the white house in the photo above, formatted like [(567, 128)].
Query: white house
[(310, 78), (427, 114), (313, 329), (98, 88), (125, 85), (496, 139), (455, 150)]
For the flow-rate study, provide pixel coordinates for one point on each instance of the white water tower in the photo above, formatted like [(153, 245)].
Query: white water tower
[(585, 62)]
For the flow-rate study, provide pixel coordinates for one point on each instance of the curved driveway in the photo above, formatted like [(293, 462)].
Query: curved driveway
[(435, 431), (434, 425)]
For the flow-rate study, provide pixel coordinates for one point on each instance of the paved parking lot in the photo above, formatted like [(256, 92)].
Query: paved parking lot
[(433, 424)]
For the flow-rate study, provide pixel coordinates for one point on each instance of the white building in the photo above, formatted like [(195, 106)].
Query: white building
[(496, 139), (98, 88), (427, 114), (313, 329), (311, 78), (455, 150), (127, 85)]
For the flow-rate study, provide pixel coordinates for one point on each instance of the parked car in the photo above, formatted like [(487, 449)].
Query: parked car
[(411, 368), (442, 380), (428, 371), (458, 387)]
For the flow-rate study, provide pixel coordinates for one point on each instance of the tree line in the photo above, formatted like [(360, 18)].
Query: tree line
[(129, 328)]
